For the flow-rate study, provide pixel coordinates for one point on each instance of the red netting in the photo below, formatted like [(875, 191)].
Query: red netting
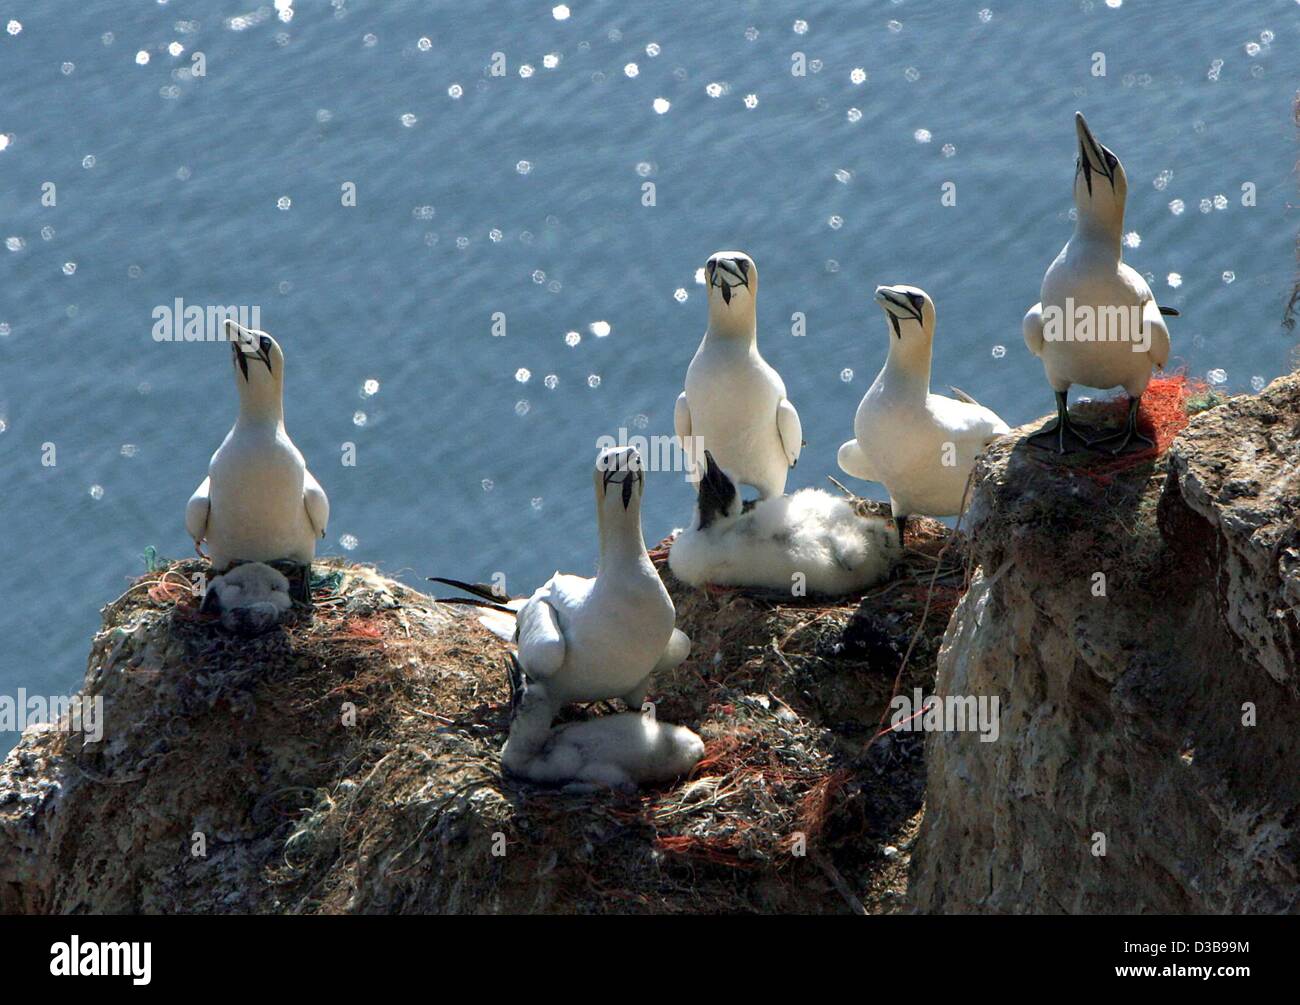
[(1162, 415)]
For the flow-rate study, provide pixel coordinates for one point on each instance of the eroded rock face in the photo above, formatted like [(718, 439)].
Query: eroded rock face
[(1159, 722)]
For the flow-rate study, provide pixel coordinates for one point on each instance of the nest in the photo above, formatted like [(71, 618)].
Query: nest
[(347, 760)]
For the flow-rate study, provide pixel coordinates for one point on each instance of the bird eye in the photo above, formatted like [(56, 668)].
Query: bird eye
[(1111, 160), (265, 344), (917, 302)]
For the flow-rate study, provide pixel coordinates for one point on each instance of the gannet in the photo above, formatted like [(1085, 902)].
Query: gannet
[(259, 502), (920, 446), (734, 403), (621, 751), (1088, 276), (811, 538), (250, 598), (594, 639)]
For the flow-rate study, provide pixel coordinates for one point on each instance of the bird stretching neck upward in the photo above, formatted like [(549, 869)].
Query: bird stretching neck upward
[(1123, 334), (259, 374), (619, 481), (1100, 189)]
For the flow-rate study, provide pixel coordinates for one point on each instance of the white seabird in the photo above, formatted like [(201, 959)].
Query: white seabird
[(734, 403), (590, 639), (1088, 275), (810, 538), (920, 446), (259, 502)]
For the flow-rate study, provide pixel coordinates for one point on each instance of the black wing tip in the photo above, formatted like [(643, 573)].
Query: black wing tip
[(515, 676), (477, 589), (1170, 312), (480, 596)]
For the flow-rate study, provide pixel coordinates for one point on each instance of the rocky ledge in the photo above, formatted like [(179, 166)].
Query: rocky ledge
[(1140, 628), (1135, 620), (347, 762)]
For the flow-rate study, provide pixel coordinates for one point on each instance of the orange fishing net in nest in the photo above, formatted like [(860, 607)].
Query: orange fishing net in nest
[(816, 806), (1162, 415), (363, 629)]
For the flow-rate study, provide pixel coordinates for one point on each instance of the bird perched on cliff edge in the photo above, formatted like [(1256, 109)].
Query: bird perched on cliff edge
[(1102, 350), (920, 446), (259, 502), (734, 403), (594, 639)]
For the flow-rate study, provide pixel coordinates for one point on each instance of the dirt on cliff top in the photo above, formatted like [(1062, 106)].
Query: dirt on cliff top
[(347, 761)]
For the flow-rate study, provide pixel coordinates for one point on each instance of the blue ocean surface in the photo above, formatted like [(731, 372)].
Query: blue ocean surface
[(522, 195)]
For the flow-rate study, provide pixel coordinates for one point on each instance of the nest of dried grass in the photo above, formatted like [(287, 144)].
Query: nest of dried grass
[(353, 753)]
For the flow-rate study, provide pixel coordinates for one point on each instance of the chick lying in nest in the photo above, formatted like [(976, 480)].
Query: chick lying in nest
[(251, 598), (829, 545)]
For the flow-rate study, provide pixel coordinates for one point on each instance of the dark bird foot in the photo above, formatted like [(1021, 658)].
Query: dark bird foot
[(1063, 437), (1122, 440), (1125, 437)]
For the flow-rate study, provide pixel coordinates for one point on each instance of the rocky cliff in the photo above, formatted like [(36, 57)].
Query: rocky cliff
[(1140, 628), (1136, 620)]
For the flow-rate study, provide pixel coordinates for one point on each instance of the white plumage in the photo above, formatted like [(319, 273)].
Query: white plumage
[(920, 446), (259, 502), (810, 539), (734, 403), (1088, 279), (591, 639), (622, 750), (250, 598)]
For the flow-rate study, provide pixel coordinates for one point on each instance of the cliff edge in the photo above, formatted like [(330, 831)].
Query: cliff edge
[(1139, 626), (347, 762)]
